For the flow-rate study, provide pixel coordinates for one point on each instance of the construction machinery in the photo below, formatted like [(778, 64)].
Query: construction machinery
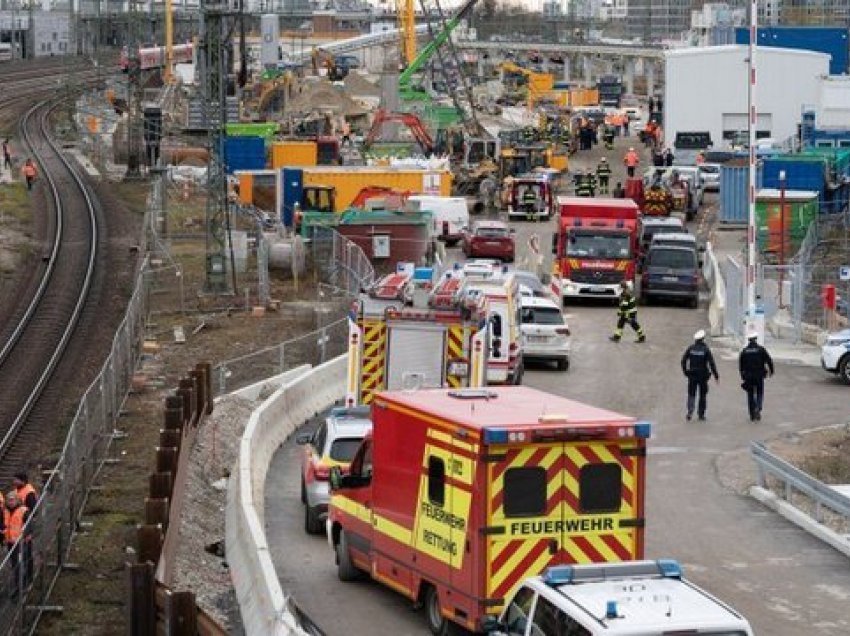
[(408, 119), (407, 30), (539, 85), (323, 59)]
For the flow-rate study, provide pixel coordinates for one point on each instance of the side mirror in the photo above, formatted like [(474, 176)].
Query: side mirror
[(303, 439), (335, 478), (490, 624)]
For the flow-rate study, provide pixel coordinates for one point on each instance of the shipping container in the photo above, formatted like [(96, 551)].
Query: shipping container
[(388, 237), (837, 161), (583, 97), (266, 130), (348, 181), (244, 153), (292, 154), (734, 184), (799, 210), (830, 40), (802, 172)]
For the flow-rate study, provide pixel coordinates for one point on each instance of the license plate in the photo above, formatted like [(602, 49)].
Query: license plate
[(538, 338), (597, 289), (493, 244), (670, 279)]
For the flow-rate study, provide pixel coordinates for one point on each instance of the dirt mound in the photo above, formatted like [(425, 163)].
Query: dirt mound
[(359, 86), (324, 97)]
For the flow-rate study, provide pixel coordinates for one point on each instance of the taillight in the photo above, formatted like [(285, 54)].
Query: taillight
[(562, 331), (322, 473)]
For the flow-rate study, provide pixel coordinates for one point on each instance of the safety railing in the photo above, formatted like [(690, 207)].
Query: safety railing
[(792, 481)]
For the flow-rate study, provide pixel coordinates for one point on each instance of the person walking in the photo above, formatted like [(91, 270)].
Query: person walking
[(627, 313), (754, 364), (619, 192), (28, 496), (603, 175), (698, 366), (30, 173), (7, 155), (632, 161), (15, 516), (625, 117)]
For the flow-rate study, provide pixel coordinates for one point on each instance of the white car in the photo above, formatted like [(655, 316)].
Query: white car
[(545, 334), (835, 354)]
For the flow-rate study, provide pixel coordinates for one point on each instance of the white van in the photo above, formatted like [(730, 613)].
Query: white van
[(450, 216), (649, 598)]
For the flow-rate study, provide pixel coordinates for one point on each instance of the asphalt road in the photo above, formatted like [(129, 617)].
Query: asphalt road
[(786, 582)]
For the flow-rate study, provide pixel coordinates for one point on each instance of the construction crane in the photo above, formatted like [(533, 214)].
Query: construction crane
[(167, 73), (407, 31)]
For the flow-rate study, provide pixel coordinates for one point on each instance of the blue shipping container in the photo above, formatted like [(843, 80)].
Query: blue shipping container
[(244, 153), (292, 182), (799, 175), (830, 40), (734, 203)]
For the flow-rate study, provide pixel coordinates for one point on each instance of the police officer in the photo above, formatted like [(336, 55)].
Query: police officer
[(603, 173), (754, 363), (698, 365), (627, 313)]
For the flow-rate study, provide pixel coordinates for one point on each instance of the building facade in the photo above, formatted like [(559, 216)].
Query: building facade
[(714, 24), (656, 20)]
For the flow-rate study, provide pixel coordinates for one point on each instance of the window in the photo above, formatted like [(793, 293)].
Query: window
[(600, 488), (436, 481), (516, 618), (672, 258), (525, 492), (542, 316), (343, 449), (552, 621), (320, 437)]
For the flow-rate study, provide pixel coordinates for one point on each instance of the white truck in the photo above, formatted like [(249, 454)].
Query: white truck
[(632, 598)]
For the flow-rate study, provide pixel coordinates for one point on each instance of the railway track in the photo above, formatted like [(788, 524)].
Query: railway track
[(34, 341)]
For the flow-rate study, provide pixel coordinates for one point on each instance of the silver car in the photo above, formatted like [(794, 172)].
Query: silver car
[(545, 334), (333, 443)]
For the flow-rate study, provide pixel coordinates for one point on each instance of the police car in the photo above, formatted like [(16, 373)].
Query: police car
[(835, 354), (632, 598)]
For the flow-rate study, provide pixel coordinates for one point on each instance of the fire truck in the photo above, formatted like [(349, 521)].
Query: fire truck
[(595, 246), (410, 329), (458, 495)]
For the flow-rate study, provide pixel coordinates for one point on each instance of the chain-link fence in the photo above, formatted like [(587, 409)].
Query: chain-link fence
[(29, 570)]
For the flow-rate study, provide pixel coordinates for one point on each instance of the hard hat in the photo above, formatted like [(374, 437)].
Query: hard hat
[(603, 159), (752, 334), (700, 335), (631, 149)]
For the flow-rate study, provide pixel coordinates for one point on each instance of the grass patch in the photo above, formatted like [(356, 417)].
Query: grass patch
[(831, 464), (15, 202)]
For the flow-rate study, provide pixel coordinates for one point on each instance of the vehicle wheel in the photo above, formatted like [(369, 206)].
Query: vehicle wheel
[(844, 369), (312, 521), (563, 364), (346, 570), (437, 623), (303, 491)]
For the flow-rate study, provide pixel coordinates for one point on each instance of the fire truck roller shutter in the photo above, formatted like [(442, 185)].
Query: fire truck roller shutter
[(420, 350)]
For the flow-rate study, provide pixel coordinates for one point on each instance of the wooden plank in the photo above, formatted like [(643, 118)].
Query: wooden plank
[(166, 459), (150, 543), (156, 512), (161, 484), (141, 607), (181, 614)]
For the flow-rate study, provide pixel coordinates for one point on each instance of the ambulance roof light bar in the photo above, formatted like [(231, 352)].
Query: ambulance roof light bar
[(569, 574)]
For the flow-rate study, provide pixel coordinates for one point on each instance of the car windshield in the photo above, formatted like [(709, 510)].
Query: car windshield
[(651, 230), (542, 316), (672, 259), (529, 280), (492, 232), (344, 448), (598, 244)]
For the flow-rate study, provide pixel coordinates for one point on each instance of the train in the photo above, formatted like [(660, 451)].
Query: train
[(154, 56)]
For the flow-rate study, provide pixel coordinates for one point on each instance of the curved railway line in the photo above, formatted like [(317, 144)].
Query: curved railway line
[(42, 325)]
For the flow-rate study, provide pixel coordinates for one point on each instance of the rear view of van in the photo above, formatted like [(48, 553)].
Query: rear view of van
[(450, 216)]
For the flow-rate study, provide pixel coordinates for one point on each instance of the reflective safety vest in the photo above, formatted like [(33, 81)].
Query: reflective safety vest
[(29, 170), (603, 170), (14, 523), (631, 159), (628, 305), (24, 492)]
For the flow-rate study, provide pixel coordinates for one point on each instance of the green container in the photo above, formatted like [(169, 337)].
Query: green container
[(837, 159), (311, 219), (266, 130), (801, 208)]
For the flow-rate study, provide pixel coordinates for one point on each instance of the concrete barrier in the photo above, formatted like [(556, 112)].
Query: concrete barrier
[(263, 604), (717, 303)]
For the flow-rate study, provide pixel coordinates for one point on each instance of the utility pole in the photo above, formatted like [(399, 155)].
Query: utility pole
[(213, 81), (134, 98)]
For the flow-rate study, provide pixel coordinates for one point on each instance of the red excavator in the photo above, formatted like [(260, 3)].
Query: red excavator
[(411, 121)]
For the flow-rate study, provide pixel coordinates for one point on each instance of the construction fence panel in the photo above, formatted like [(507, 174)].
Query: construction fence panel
[(734, 275)]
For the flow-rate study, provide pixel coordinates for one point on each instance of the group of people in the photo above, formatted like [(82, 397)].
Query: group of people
[(17, 506), (29, 170), (698, 366)]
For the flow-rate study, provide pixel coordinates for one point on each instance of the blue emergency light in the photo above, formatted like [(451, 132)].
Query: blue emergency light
[(495, 436), (643, 430), (559, 575)]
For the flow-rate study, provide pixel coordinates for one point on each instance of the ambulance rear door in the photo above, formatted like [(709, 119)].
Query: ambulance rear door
[(415, 350)]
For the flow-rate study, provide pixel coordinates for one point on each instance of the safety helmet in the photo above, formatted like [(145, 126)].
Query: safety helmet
[(631, 149), (603, 160), (699, 335), (752, 334)]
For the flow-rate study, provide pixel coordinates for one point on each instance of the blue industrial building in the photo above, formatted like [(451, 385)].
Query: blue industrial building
[(830, 40)]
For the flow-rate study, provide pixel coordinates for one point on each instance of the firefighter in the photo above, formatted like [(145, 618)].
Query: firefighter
[(608, 137), (582, 184), (754, 364), (632, 161), (603, 174), (627, 313), (528, 200), (658, 201), (15, 516), (698, 366), (30, 173)]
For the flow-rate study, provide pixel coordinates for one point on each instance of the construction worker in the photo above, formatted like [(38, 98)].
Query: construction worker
[(627, 313), (28, 496), (15, 516), (632, 161), (603, 174), (754, 364), (30, 172), (698, 366)]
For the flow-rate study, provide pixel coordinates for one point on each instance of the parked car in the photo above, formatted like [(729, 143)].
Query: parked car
[(492, 239), (545, 334), (835, 355), (333, 443), (650, 226), (675, 238), (481, 267), (671, 271), (711, 177)]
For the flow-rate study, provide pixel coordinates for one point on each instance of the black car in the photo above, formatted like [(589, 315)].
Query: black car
[(671, 272)]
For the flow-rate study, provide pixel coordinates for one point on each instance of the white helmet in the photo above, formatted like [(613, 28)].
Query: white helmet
[(752, 334), (700, 335)]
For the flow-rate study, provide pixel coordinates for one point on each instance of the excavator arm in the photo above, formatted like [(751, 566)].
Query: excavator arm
[(411, 121)]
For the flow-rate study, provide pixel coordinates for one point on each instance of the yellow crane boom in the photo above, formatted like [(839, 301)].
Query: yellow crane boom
[(406, 30)]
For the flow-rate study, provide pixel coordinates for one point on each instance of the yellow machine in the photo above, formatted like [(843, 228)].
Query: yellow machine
[(539, 84), (406, 30)]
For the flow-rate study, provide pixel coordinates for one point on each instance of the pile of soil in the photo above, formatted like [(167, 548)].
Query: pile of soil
[(324, 97)]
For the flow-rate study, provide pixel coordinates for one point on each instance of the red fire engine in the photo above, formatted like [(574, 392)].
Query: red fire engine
[(458, 495)]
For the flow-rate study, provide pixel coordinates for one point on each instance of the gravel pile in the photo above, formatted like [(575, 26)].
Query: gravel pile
[(202, 522)]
